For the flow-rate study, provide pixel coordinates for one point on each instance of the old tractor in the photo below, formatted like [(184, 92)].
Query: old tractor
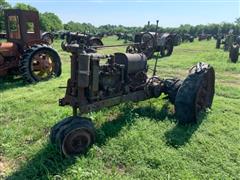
[(204, 36), (151, 42), (187, 37), (94, 85), (25, 53), (85, 39)]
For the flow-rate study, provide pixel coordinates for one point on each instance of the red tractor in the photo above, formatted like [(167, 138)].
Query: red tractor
[(25, 53)]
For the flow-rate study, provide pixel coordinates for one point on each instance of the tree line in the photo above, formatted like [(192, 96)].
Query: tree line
[(51, 22)]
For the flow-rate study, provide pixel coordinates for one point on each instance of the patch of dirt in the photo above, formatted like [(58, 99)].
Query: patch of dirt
[(233, 75), (121, 168), (230, 83), (5, 166)]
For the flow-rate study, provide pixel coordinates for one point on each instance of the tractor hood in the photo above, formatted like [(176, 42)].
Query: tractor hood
[(8, 49)]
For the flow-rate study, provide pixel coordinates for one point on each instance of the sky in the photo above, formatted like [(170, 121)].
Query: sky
[(170, 13)]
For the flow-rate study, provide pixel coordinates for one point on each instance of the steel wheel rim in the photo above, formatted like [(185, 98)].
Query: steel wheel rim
[(42, 66), (76, 142)]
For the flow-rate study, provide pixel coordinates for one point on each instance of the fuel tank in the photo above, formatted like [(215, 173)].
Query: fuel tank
[(133, 62), (8, 49)]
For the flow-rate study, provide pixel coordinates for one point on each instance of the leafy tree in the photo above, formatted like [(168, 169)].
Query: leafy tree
[(80, 27), (50, 22), (23, 6)]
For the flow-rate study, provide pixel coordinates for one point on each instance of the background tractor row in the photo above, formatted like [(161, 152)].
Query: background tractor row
[(231, 43)]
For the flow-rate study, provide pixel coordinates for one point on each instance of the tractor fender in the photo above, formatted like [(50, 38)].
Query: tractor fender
[(163, 39), (47, 33)]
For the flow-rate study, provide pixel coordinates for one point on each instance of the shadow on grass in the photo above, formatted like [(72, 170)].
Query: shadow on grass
[(45, 163), (179, 135), (48, 162), (10, 83), (155, 114)]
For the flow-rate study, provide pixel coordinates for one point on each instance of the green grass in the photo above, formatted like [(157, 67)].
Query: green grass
[(135, 140)]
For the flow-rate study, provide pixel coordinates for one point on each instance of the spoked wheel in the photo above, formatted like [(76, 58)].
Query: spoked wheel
[(167, 49), (40, 63), (132, 49), (147, 45), (42, 66), (73, 135), (195, 94)]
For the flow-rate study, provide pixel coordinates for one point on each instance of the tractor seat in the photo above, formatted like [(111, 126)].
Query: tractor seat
[(8, 49)]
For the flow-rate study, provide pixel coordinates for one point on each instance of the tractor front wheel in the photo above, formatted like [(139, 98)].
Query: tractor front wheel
[(73, 136), (40, 63)]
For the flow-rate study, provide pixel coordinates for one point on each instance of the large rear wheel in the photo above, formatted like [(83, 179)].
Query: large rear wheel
[(40, 63), (195, 94)]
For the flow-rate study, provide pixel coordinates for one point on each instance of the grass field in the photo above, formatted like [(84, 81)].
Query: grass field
[(135, 140)]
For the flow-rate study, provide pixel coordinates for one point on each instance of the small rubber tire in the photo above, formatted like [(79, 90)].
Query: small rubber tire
[(74, 136)]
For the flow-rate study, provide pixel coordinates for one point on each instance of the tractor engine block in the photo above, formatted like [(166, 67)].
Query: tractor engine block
[(121, 74)]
